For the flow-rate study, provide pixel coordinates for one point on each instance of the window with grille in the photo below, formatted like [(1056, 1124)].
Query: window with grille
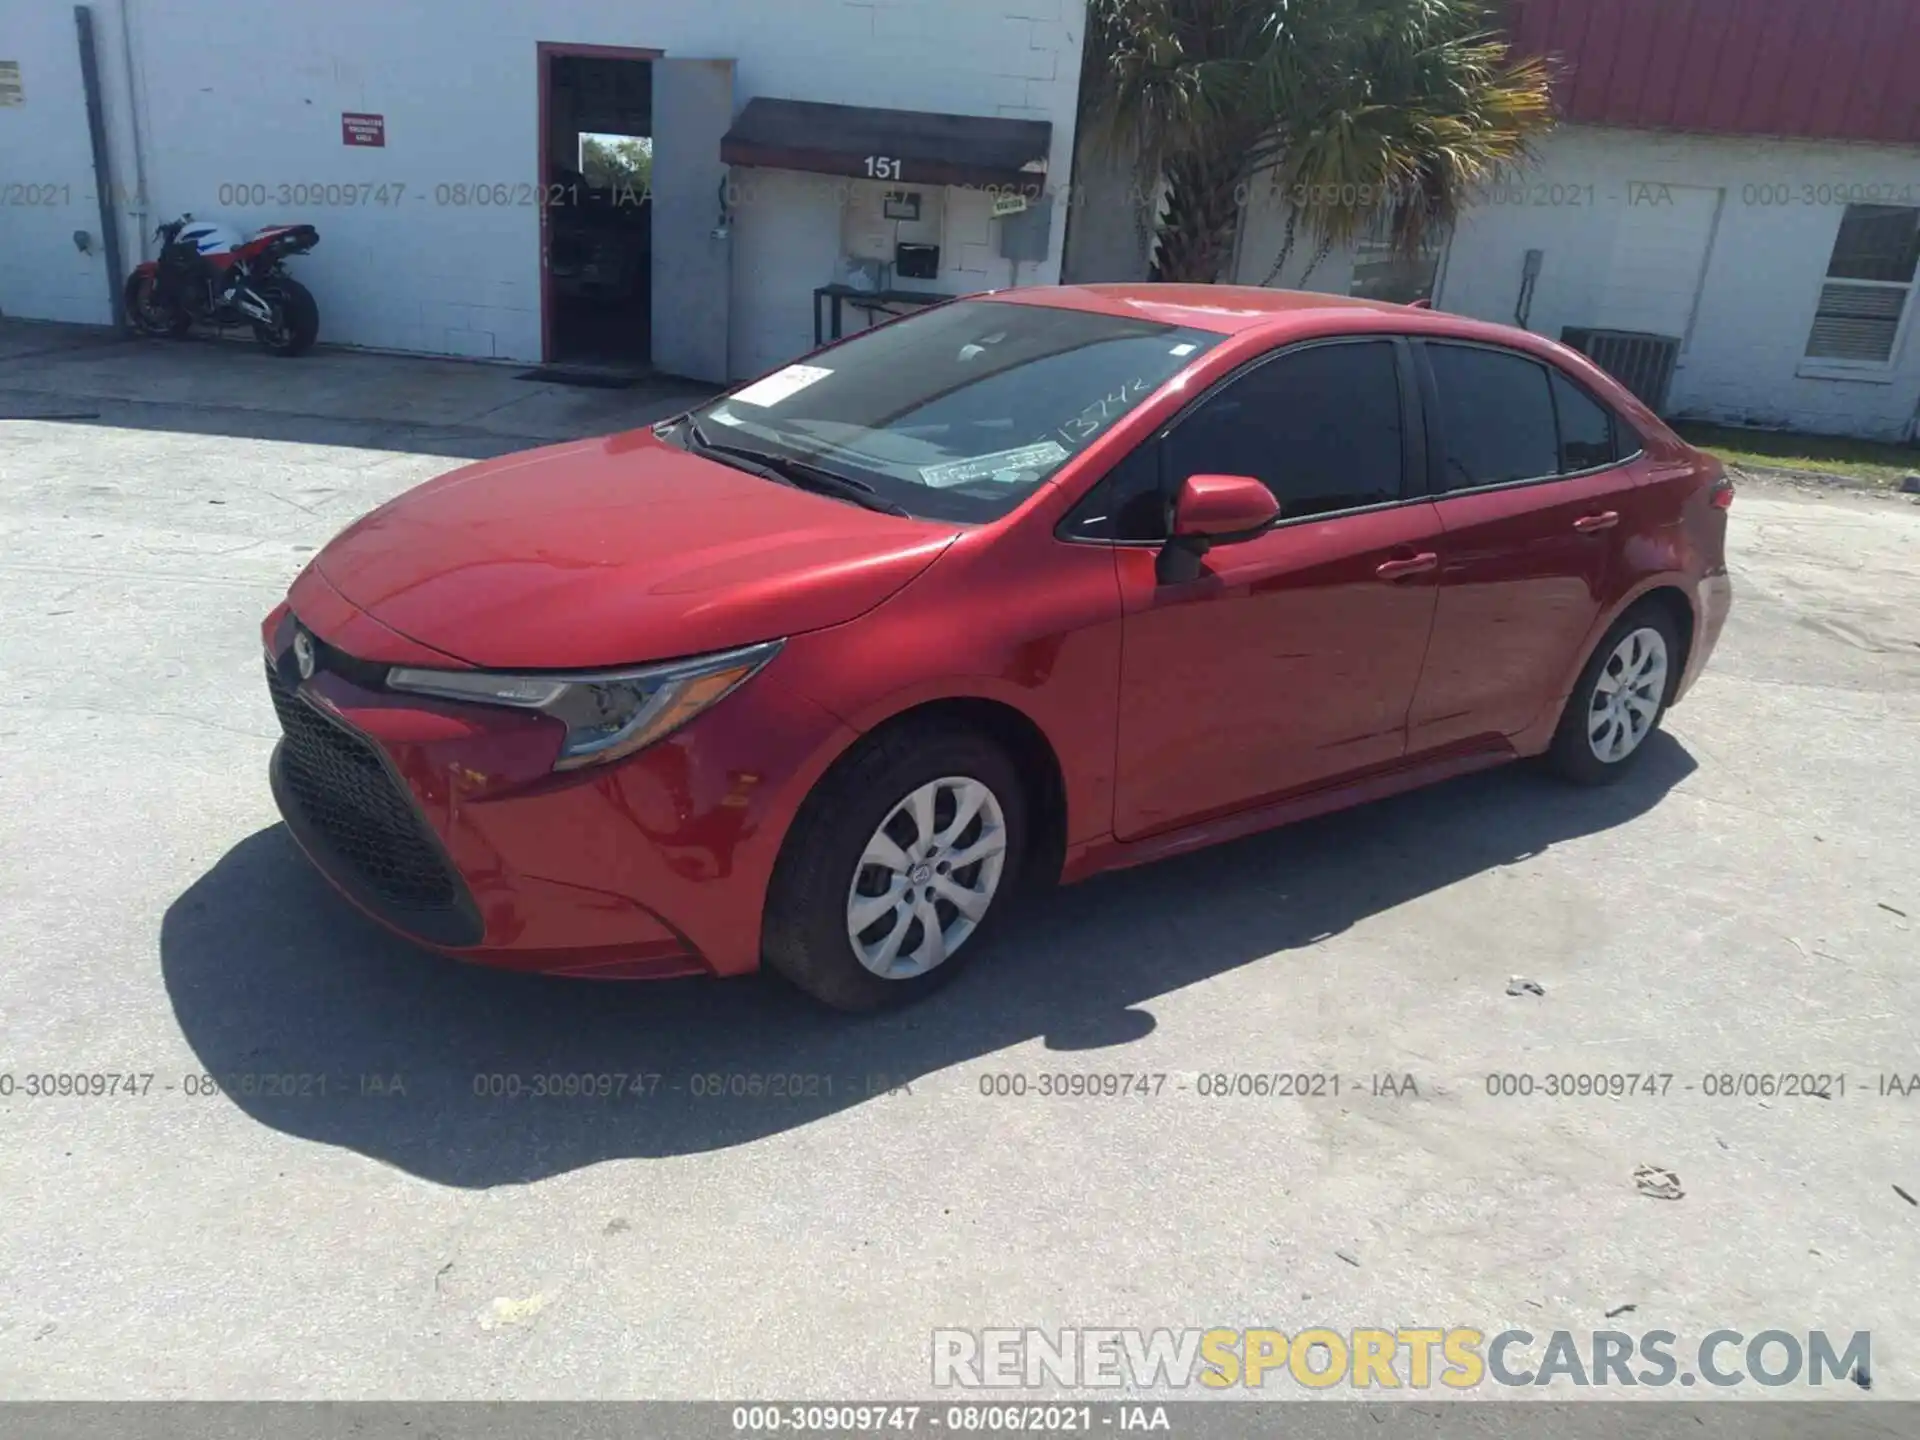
[(1869, 280), (1382, 273)]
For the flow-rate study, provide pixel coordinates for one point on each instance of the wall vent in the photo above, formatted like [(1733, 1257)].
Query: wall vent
[(1641, 362)]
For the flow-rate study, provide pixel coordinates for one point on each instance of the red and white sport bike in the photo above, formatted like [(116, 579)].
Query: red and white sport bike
[(209, 273)]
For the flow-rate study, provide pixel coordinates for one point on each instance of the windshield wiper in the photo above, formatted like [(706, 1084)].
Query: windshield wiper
[(699, 445), (831, 482), (797, 473)]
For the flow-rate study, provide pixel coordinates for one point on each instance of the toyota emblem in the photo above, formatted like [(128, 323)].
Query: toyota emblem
[(303, 654)]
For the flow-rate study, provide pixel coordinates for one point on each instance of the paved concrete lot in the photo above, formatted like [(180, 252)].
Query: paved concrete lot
[(1747, 903)]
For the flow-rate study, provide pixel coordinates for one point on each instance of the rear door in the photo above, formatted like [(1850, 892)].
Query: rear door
[(692, 244), (1534, 503), (1291, 659)]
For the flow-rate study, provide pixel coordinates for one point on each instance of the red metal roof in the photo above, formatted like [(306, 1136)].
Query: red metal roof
[(1819, 69)]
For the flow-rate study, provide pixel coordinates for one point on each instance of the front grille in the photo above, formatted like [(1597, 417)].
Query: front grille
[(349, 799)]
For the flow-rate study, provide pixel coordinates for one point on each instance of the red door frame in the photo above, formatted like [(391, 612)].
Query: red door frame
[(544, 51)]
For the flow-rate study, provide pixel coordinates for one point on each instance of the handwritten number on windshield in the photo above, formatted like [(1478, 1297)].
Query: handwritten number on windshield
[(1090, 421)]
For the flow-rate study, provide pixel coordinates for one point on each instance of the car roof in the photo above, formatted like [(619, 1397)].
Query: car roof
[(1260, 317), (1227, 309)]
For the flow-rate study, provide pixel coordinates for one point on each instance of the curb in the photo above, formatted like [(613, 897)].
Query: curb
[(1821, 480)]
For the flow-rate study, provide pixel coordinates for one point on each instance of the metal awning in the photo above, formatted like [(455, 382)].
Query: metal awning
[(908, 147)]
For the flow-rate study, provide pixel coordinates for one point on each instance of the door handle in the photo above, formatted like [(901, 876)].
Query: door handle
[(1413, 565), (1605, 520)]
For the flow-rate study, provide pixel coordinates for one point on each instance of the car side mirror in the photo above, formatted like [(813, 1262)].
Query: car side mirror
[(1223, 508), (1213, 510)]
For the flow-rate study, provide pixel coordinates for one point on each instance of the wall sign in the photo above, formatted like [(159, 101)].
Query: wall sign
[(10, 91), (363, 130)]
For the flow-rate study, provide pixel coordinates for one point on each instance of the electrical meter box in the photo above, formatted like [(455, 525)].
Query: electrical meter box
[(1024, 236)]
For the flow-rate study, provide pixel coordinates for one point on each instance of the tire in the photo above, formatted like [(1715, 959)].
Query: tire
[(136, 300), (1584, 732), (821, 872), (300, 313)]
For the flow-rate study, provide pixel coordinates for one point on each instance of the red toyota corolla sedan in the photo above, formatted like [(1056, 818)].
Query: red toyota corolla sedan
[(1021, 588)]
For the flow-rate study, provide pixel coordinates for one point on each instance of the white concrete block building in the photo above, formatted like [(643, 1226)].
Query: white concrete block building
[(1741, 182), (1742, 185), (437, 146), (1736, 247), (1751, 253)]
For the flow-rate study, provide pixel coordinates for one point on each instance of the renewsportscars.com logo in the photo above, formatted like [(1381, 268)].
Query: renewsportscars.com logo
[(1416, 1358)]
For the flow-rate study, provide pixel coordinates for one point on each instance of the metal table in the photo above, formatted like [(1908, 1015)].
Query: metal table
[(879, 300)]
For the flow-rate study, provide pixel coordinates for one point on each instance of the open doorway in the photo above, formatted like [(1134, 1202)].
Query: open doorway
[(596, 121)]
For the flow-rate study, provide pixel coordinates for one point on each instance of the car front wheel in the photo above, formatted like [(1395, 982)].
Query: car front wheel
[(907, 852), (1619, 700)]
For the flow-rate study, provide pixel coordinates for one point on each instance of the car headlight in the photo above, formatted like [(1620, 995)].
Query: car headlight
[(609, 714)]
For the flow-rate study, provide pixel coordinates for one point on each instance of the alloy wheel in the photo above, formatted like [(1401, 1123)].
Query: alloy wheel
[(1627, 695), (926, 878)]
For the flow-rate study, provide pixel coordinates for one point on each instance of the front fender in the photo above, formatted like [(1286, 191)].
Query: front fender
[(1039, 635)]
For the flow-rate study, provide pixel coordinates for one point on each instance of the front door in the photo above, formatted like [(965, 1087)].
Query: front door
[(1291, 660), (692, 244), (1534, 507)]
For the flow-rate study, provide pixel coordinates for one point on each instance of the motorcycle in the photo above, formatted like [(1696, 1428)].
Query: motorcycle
[(210, 274)]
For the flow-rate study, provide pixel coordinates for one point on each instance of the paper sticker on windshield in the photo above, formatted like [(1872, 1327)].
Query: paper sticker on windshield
[(1005, 465), (781, 384)]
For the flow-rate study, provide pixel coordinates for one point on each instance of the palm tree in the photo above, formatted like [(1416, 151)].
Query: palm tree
[(1350, 109), (613, 162)]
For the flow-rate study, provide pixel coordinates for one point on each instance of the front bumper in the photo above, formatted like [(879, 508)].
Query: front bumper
[(446, 823), (352, 813)]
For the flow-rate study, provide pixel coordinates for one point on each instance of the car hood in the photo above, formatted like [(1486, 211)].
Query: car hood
[(614, 552)]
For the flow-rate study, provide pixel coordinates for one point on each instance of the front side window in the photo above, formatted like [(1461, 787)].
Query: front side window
[(1320, 427), (1496, 417), (959, 412), (1869, 282), (1129, 502)]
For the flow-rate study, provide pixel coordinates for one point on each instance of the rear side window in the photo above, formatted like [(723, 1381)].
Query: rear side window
[(1496, 417), (1320, 426), (1586, 428)]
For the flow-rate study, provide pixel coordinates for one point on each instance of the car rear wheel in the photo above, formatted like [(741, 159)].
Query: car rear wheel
[(1619, 700), (904, 855)]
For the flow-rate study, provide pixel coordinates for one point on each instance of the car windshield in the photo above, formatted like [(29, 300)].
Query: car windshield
[(956, 413)]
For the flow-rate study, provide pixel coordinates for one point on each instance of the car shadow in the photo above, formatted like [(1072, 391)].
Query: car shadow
[(322, 1025)]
